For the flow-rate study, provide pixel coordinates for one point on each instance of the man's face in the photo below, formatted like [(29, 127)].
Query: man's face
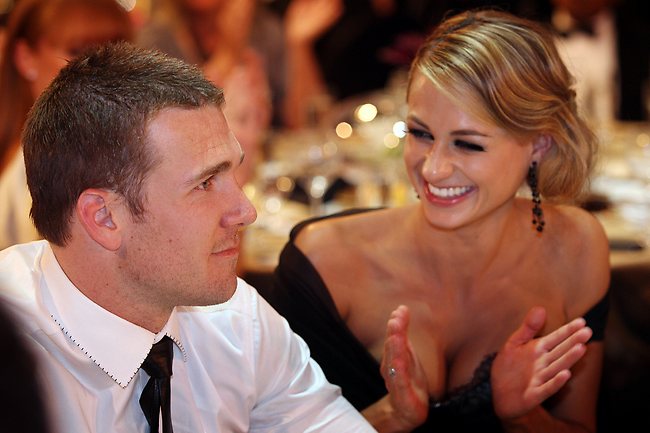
[(185, 251)]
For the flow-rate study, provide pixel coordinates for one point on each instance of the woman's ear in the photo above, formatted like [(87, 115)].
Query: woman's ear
[(25, 61), (95, 213), (541, 145)]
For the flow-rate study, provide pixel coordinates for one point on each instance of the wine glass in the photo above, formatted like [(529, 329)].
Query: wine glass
[(319, 167)]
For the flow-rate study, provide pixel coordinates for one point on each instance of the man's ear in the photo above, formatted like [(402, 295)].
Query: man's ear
[(94, 210), (541, 145)]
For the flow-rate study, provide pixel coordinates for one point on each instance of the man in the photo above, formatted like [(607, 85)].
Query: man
[(131, 166)]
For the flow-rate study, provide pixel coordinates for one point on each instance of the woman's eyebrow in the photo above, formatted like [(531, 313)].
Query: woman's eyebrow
[(469, 132)]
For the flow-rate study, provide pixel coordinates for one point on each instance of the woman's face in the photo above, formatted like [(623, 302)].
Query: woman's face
[(74, 31), (464, 169)]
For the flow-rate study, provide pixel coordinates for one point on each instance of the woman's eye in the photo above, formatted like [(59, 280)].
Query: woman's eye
[(466, 145), (419, 134)]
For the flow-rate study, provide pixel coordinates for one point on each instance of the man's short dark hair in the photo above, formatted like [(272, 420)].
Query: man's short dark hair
[(87, 129)]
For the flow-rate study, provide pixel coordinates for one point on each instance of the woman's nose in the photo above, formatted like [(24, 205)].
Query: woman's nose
[(437, 165)]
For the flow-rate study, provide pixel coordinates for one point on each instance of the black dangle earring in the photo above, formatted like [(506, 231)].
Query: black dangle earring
[(538, 216)]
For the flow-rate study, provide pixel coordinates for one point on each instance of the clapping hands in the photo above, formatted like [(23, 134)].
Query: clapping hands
[(525, 372)]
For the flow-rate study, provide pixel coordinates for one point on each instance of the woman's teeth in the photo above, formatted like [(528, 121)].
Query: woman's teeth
[(448, 192)]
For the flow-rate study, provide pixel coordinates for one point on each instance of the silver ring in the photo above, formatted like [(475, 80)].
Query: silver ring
[(391, 372)]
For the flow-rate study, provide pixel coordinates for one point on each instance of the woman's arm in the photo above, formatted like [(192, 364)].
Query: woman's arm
[(305, 21)]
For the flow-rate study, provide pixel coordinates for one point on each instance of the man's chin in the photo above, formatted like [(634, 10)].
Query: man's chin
[(224, 290)]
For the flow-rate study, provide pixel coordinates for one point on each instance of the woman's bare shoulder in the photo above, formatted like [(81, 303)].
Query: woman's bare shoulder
[(344, 251), (580, 242), (347, 231), (581, 230)]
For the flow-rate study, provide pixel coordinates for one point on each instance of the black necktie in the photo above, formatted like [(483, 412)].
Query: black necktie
[(156, 395)]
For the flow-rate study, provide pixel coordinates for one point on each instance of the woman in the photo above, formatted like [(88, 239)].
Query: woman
[(41, 36), (489, 108)]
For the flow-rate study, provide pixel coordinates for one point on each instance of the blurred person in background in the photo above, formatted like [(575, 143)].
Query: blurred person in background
[(264, 65), (588, 43), (217, 35), (307, 95), (605, 43), (41, 36), (371, 40)]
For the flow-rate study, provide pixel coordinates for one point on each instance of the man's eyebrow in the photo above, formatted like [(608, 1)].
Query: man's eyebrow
[(214, 170), (210, 171)]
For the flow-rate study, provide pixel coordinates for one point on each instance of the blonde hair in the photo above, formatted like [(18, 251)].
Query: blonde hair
[(508, 71)]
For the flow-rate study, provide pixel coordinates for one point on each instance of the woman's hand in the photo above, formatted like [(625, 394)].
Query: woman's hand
[(528, 370), (403, 375), (306, 20)]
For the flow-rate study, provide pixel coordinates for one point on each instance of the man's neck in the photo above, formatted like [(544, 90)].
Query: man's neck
[(99, 280)]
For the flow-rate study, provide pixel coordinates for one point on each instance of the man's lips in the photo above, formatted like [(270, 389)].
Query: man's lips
[(229, 248), (232, 251)]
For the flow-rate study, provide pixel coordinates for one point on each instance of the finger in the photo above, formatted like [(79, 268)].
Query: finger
[(564, 362), (394, 366), (548, 342), (532, 324), (551, 386), (388, 355), (580, 337), (396, 348), (399, 321)]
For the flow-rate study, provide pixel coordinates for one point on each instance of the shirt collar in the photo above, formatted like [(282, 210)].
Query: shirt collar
[(115, 345)]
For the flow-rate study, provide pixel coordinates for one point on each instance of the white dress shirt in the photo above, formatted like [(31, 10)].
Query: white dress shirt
[(237, 367)]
